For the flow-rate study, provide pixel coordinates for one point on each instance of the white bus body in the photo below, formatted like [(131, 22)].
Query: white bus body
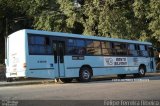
[(28, 56)]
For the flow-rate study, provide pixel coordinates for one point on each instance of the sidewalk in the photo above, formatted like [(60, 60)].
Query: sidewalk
[(26, 82)]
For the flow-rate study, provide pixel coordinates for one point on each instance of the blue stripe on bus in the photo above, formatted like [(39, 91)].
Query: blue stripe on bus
[(40, 68)]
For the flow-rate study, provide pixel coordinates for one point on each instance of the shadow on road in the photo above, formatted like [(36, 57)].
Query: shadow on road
[(128, 78)]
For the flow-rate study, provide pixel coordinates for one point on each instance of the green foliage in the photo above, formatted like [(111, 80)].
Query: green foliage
[(154, 16), (129, 19), (91, 15)]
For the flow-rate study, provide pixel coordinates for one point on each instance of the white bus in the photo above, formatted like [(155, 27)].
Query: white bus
[(55, 55)]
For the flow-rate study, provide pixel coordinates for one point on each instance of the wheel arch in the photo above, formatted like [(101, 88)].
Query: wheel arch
[(88, 66), (144, 66)]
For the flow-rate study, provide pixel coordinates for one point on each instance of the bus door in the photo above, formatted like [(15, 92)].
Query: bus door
[(58, 52), (151, 55)]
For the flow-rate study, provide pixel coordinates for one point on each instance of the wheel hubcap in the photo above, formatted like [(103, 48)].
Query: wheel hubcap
[(141, 71), (86, 74)]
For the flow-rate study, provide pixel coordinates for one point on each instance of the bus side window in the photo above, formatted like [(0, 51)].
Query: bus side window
[(132, 50), (151, 52), (47, 41), (120, 48), (106, 48), (93, 47), (116, 48), (138, 50), (113, 50), (123, 48), (89, 47), (76, 46), (80, 44), (39, 45), (146, 51), (97, 47), (71, 46), (143, 50)]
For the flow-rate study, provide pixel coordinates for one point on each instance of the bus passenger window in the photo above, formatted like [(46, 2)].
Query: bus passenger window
[(39, 45), (71, 49), (143, 50), (120, 48), (89, 43), (90, 51), (76, 47), (82, 51), (132, 50), (97, 47), (146, 51), (89, 47), (151, 52), (106, 48), (71, 42), (93, 47), (47, 41), (80, 44)]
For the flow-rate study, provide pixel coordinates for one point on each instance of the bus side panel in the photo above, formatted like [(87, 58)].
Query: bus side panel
[(16, 55), (152, 65), (73, 65), (41, 66), (135, 62)]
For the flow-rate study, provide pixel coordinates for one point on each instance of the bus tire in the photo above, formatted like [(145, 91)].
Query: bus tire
[(121, 76), (85, 74), (66, 80), (141, 71)]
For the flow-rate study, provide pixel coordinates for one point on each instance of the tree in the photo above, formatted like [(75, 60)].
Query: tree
[(9, 10), (129, 19), (115, 19), (141, 8), (154, 17)]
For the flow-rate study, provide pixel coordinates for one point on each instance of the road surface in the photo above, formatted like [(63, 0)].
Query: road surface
[(147, 88)]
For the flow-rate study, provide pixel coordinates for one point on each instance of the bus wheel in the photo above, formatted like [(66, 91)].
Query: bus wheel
[(66, 80), (85, 74), (142, 71), (121, 76)]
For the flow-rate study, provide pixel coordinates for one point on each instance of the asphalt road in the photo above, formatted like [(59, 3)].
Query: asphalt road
[(106, 88), (109, 91)]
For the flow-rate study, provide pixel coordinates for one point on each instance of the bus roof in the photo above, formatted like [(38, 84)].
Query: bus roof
[(81, 36)]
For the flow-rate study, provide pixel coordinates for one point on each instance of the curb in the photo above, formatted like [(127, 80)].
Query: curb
[(49, 81), (17, 83)]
